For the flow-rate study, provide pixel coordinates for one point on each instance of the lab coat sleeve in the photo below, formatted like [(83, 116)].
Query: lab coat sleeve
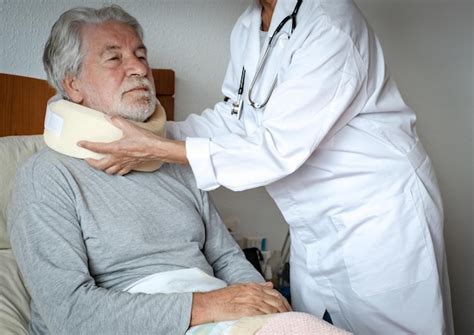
[(319, 92), (211, 122)]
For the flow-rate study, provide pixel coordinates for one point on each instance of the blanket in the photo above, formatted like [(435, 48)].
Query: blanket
[(195, 280)]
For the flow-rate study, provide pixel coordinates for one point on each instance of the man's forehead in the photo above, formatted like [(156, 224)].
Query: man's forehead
[(113, 47), (111, 35)]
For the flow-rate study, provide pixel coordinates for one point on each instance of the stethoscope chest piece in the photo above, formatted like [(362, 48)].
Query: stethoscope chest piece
[(237, 105)]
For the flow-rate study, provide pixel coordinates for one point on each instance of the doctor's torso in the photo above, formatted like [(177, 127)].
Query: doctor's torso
[(332, 90), (335, 129), (336, 148)]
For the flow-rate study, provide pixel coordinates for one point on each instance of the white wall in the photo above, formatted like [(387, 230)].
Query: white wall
[(428, 46)]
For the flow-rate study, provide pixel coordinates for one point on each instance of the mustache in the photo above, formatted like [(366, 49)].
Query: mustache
[(137, 83)]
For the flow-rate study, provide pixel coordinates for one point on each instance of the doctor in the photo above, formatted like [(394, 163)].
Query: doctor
[(312, 113)]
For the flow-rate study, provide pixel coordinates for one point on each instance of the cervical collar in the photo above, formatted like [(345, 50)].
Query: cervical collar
[(67, 123)]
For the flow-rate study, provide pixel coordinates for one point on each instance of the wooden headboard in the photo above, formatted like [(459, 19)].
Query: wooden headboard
[(23, 101)]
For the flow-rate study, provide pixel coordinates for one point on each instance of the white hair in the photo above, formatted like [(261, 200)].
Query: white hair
[(62, 55)]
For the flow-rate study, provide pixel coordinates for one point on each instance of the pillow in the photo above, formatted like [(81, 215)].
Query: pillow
[(13, 151), (14, 299)]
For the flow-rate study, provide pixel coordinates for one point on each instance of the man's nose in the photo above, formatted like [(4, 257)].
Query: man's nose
[(136, 67)]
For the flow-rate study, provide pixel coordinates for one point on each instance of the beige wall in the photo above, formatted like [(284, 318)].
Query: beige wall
[(429, 49)]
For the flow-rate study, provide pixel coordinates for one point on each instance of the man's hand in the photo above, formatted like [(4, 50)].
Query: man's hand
[(237, 301), (136, 147)]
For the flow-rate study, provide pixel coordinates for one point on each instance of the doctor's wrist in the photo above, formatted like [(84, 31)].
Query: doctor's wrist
[(171, 151)]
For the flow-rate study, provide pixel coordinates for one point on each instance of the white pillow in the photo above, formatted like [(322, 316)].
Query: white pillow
[(14, 299), (13, 151)]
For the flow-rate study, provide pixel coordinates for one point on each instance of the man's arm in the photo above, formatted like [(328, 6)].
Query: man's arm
[(222, 252), (249, 295), (236, 301), (49, 247)]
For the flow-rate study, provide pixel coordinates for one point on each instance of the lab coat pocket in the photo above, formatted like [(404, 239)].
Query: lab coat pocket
[(383, 245)]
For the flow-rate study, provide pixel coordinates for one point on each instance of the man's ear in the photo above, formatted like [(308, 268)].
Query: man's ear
[(73, 89)]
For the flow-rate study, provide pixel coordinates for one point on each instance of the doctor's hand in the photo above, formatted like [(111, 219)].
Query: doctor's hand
[(237, 301), (137, 146)]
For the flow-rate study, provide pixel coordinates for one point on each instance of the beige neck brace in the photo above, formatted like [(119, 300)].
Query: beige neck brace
[(67, 123)]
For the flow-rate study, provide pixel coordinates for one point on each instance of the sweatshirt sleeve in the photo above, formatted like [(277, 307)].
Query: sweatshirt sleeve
[(222, 252), (48, 245)]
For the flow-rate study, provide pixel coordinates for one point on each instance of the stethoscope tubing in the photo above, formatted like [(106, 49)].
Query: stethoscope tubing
[(264, 58), (238, 104)]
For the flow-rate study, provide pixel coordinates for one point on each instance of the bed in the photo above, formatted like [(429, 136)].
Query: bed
[(22, 111)]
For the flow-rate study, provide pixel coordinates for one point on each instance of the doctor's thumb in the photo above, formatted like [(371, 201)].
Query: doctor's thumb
[(117, 121)]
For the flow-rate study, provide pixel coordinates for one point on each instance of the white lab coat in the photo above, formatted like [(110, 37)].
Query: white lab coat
[(337, 149)]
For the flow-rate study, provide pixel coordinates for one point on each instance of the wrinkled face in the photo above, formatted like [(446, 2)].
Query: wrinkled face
[(115, 77)]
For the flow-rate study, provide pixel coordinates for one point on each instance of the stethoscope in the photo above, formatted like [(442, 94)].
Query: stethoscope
[(238, 104)]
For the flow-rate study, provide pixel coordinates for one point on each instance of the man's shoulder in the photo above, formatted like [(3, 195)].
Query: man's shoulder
[(182, 173), (45, 160), (184, 170), (40, 178), (46, 167)]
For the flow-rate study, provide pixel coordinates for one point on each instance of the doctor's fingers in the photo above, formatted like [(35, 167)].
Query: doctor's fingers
[(111, 165), (100, 147), (118, 169), (103, 164), (124, 171), (132, 135), (120, 122)]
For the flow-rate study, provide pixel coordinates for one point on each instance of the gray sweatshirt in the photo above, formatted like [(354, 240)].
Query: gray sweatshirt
[(80, 236)]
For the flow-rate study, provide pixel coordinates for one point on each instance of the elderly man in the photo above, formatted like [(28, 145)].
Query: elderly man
[(81, 237)]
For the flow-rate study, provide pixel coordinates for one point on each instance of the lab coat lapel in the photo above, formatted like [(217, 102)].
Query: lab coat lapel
[(252, 49), (272, 63)]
